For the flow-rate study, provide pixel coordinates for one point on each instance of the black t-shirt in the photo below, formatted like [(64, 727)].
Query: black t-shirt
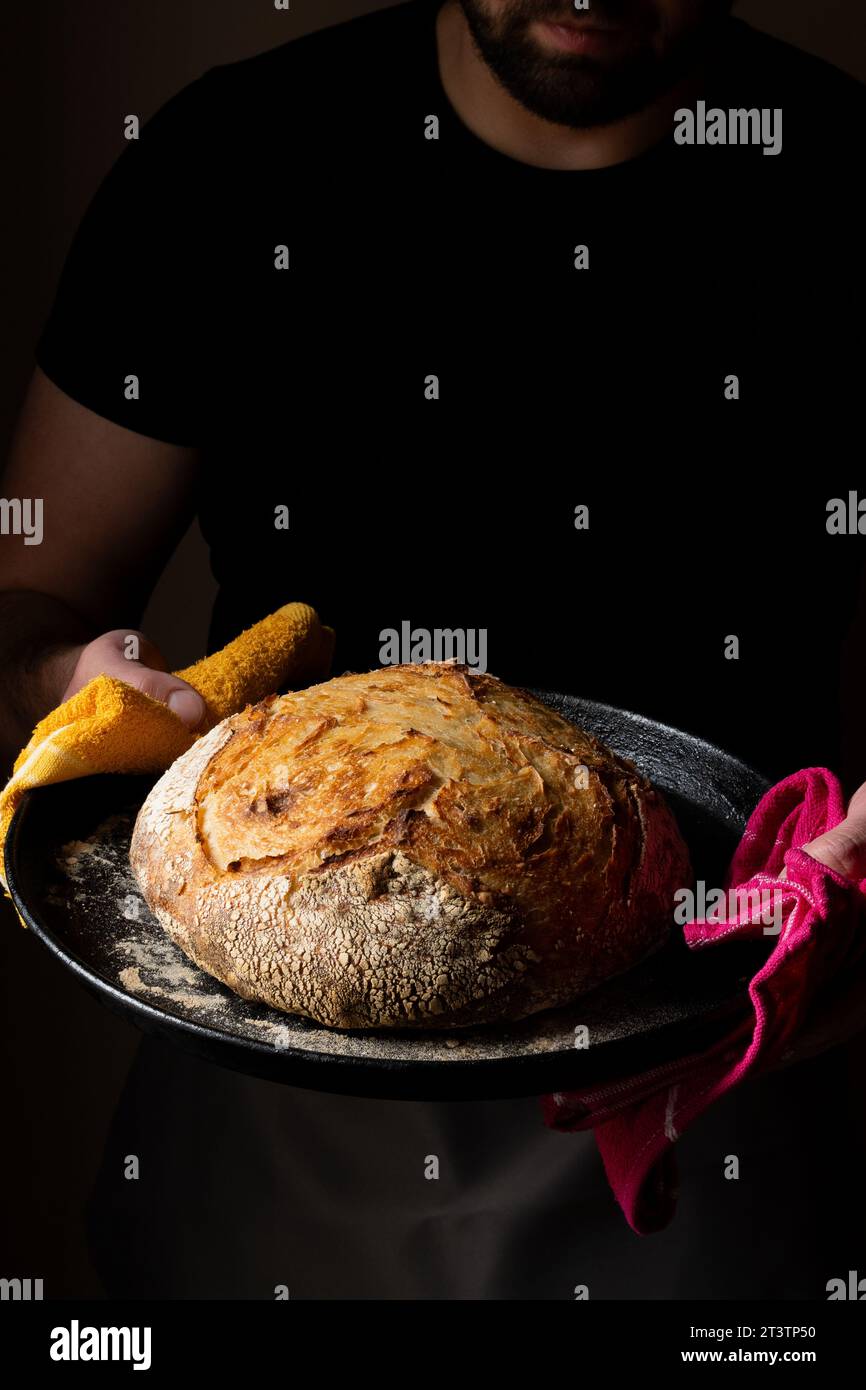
[(308, 387)]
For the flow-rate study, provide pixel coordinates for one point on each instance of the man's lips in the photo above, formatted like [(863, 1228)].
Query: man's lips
[(580, 36)]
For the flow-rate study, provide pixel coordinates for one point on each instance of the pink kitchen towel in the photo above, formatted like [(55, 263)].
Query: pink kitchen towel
[(822, 921)]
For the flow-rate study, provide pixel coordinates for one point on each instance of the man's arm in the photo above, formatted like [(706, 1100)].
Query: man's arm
[(115, 504)]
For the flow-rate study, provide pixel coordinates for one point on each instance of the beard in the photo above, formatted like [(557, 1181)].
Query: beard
[(574, 89)]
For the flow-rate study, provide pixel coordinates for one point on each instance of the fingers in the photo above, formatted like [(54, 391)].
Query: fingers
[(133, 658), (844, 847), (185, 702)]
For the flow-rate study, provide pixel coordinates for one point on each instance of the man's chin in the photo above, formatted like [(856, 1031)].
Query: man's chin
[(580, 94), (578, 90), (616, 74)]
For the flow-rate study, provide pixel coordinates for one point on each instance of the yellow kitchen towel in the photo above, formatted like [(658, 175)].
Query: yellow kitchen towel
[(111, 727)]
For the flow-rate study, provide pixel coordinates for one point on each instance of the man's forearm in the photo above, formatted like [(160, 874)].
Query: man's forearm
[(39, 641)]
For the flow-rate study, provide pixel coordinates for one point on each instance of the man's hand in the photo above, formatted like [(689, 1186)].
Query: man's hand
[(835, 1021), (844, 847), (109, 655)]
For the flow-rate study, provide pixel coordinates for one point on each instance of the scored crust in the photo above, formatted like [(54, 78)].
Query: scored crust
[(418, 846)]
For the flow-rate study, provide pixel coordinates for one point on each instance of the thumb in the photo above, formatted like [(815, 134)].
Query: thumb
[(108, 656), (181, 699), (844, 847)]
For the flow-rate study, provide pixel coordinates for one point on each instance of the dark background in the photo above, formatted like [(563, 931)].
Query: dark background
[(70, 70)]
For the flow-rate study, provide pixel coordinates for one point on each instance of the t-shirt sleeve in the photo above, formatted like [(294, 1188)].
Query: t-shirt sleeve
[(125, 332)]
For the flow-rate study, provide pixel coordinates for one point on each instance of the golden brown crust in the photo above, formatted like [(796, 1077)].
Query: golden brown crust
[(417, 846)]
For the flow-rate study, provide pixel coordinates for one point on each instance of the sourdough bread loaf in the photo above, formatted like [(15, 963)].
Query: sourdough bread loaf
[(417, 847)]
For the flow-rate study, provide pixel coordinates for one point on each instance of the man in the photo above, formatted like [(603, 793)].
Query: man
[(448, 291)]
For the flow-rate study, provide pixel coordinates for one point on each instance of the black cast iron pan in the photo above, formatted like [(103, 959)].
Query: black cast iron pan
[(67, 867)]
